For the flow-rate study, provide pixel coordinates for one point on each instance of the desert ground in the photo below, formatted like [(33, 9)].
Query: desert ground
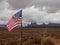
[(30, 36)]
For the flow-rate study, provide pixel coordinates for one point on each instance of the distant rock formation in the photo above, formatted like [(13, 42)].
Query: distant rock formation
[(44, 25), (35, 25)]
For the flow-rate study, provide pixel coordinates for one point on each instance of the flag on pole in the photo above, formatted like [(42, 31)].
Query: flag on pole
[(14, 21)]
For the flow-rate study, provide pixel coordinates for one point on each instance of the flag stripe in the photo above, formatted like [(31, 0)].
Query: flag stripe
[(13, 24), (10, 28), (14, 21)]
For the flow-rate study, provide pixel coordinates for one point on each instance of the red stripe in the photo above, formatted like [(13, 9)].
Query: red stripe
[(12, 27), (12, 24)]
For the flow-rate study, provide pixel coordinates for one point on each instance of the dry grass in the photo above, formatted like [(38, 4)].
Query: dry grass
[(30, 36)]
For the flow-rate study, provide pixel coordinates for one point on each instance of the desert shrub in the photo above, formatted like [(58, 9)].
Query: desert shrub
[(52, 35), (1, 40), (31, 38), (12, 42), (35, 41), (24, 39), (48, 42), (57, 36), (1, 44)]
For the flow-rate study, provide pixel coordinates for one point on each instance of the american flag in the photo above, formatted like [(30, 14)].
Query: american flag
[(14, 21)]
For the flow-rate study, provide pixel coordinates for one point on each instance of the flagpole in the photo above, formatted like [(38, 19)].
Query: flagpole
[(21, 32)]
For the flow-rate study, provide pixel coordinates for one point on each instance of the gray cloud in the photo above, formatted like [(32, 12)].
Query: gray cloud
[(40, 11), (54, 5), (50, 9), (1, 0), (33, 14), (17, 4)]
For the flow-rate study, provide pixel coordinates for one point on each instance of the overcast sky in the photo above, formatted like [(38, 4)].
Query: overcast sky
[(40, 11)]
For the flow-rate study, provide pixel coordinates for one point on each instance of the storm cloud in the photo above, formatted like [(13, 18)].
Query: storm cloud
[(33, 14), (1, 0), (17, 4), (51, 5), (39, 11)]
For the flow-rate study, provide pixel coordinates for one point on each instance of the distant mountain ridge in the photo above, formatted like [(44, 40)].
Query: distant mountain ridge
[(44, 25), (36, 25), (2, 25), (53, 24)]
